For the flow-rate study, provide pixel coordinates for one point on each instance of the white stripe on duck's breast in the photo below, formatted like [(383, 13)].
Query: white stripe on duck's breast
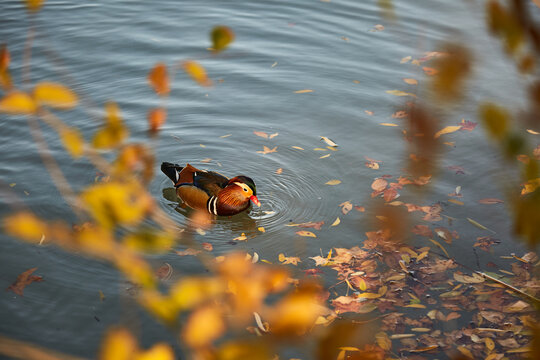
[(211, 205)]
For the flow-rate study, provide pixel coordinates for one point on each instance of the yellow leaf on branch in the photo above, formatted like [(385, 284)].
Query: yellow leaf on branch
[(17, 102), (55, 95)]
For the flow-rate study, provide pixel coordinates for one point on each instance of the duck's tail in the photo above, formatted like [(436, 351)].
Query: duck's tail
[(171, 170)]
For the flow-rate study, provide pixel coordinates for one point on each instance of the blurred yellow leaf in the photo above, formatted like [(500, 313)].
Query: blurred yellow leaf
[(149, 240), (114, 132), (221, 37), (303, 91), (73, 141), (158, 79), (383, 341), (336, 222), (116, 203), (203, 326), (134, 268), (447, 130), (333, 182), (17, 102), (25, 225), (34, 5), (297, 147), (197, 72), (55, 95), (388, 124), (191, 291), (119, 344), (159, 351), (95, 240), (306, 233), (261, 229)]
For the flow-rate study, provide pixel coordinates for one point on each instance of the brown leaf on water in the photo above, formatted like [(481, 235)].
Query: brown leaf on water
[(261, 134), (156, 118), (197, 72), (188, 252), (422, 230), (493, 316), (158, 79), (346, 207), (379, 184), (333, 182), (490, 201), (288, 260), (303, 91), (24, 279), (315, 225), (400, 93), (486, 242), (221, 36), (4, 58), (164, 272), (267, 150), (399, 114)]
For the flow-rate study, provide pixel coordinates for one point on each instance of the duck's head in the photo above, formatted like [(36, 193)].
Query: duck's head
[(246, 187)]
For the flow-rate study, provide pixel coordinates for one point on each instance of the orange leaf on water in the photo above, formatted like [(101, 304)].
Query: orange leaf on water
[(430, 71), (156, 118), (490, 201), (411, 81), (267, 150), (159, 79), (345, 207), (24, 279), (17, 102), (261, 134), (379, 184), (221, 37), (4, 58), (303, 91), (197, 72), (55, 95)]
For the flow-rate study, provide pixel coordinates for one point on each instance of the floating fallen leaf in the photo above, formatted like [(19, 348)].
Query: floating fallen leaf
[(224, 136), (411, 81), (328, 141), (207, 246), (261, 134), (221, 36), (24, 279), (319, 149), (324, 156), (297, 147), (315, 225), (478, 225), (490, 201), (242, 237), (399, 93), (279, 171), (440, 246), (159, 79), (54, 95), (345, 207), (388, 124), (333, 182), (424, 349), (17, 102), (288, 260), (379, 184), (306, 233), (405, 59), (197, 72), (267, 150), (447, 130), (336, 222), (377, 27), (399, 114), (274, 64), (303, 91), (467, 125), (206, 160), (466, 352), (271, 136), (430, 71), (261, 229), (370, 113), (533, 132), (156, 118)]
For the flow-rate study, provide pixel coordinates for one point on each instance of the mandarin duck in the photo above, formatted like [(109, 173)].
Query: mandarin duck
[(211, 191)]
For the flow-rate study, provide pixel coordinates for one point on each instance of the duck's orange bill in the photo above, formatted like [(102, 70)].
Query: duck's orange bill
[(255, 200)]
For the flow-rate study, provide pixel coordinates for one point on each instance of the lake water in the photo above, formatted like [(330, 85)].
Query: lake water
[(105, 49)]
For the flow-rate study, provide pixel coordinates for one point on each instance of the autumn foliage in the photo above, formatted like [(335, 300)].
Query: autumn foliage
[(398, 293)]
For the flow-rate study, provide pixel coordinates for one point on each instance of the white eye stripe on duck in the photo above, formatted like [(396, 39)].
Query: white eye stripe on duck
[(243, 186)]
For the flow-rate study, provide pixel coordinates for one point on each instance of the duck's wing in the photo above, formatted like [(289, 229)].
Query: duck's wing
[(210, 181)]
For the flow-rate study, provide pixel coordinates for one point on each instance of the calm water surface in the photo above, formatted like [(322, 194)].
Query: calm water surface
[(104, 50)]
